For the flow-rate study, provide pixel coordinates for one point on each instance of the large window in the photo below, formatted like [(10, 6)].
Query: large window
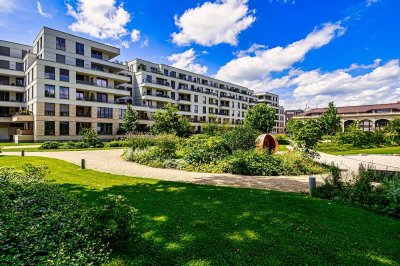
[(60, 58), (80, 48), (19, 97), (60, 44), (102, 97), (4, 96), (5, 51), (80, 96), (49, 91), (19, 82), (64, 92), (19, 66), (102, 82), (103, 112), (4, 80), (64, 75), (4, 64), (121, 113), (64, 128), (49, 73), (49, 109), (49, 128), (104, 128), (80, 63), (97, 54), (82, 125), (64, 110)]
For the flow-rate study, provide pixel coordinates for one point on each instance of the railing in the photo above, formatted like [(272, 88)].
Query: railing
[(24, 132), (94, 84), (6, 115), (11, 84), (83, 114)]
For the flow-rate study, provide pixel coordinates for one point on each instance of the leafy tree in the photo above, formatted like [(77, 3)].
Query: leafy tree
[(330, 120), (130, 119), (168, 121), (293, 126), (90, 137), (309, 134), (393, 126), (261, 117), (213, 128)]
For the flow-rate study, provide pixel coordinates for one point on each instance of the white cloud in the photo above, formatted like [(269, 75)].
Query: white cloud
[(135, 35), (213, 23), (101, 19), (381, 84), (185, 61), (145, 42), (254, 48), (248, 68), (7, 6), (371, 2), (41, 12)]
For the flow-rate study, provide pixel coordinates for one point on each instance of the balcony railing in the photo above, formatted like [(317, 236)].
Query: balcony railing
[(12, 84), (86, 114), (94, 84)]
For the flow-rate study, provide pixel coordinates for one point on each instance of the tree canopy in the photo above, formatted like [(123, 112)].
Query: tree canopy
[(130, 119), (261, 117), (330, 120), (168, 121)]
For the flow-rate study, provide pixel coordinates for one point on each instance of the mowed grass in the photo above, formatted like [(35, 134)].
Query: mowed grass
[(384, 150), (36, 149), (5, 144), (187, 224)]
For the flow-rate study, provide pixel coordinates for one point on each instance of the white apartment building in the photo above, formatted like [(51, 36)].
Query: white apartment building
[(64, 83), (272, 100)]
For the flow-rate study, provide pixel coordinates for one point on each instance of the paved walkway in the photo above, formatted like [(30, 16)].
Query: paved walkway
[(20, 147), (352, 163), (110, 161)]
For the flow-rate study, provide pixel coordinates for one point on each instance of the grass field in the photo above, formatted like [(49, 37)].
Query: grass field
[(385, 150), (5, 144), (186, 224), (39, 150)]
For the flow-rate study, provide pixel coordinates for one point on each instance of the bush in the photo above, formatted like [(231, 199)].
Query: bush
[(166, 146), (50, 145), (241, 138), (90, 138), (68, 145), (140, 141), (253, 163), (282, 139), (298, 163), (201, 149), (117, 143)]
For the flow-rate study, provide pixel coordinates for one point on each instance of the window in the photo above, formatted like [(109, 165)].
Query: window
[(121, 113), (196, 98), (49, 128), (19, 82), (80, 63), (166, 72), (60, 58), (79, 48), (173, 74), (5, 51), (4, 80), (64, 92), (102, 97), (64, 75), (60, 44), (173, 84), (149, 78), (49, 73), (97, 54), (49, 91), (82, 125), (49, 109), (196, 108), (104, 128), (4, 96), (4, 64), (173, 95), (103, 112), (64, 128), (204, 109), (19, 66), (204, 99), (64, 110), (102, 82), (80, 96), (97, 67), (19, 97)]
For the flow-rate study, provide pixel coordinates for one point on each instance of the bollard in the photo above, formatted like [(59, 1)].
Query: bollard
[(312, 184), (83, 164), (22, 153)]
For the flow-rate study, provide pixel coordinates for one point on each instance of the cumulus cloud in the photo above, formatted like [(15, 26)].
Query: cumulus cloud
[(265, 61), (135, 35), (213, 23), (41, 12), (101, 19), (185, 61), (254, 48), (380, 84)]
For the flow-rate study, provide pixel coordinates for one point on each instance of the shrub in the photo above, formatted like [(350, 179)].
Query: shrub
[(241, 138), (166, 146), (90, 138), (68, 145), (299, 163), (117, 143), (140, 141), (282, 139), (253, 163), (391, 138), (201, 149), (50, 145)]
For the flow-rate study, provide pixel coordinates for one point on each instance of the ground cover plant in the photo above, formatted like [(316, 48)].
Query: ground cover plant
[(187, 224)]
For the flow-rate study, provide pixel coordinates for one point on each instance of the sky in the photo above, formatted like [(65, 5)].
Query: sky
[(310, 52)]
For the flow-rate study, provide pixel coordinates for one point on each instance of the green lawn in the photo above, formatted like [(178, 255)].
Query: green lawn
[(39, 150), (186, 224), (385, 150), (4, 144)]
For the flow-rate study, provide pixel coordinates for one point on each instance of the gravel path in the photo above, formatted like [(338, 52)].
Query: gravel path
[(110, 161)]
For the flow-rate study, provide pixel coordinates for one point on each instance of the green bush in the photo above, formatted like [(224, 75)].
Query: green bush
[(90, 138), (140, 141), (68, 145), (282, 139), (201, 149), (253, 163), (117, 143), (241, 138), (298, 163), (50, 145), (166, 146)]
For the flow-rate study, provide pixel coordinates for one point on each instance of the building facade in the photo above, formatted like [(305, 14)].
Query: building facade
[(291, 113), (64, 83), (272, 100), (370, 117)]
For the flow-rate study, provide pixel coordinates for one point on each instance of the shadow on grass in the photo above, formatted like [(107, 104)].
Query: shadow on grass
[(186, 224)]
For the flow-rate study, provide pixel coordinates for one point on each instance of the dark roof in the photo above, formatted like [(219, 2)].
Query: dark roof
[(354, 109)]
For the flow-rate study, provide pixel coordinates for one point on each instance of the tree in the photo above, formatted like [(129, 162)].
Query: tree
[(393, 126), (213, 128), (89, 137), (130, 119), (330, 120), (168, 121), (261, 117), (309, 133), (293, 126)]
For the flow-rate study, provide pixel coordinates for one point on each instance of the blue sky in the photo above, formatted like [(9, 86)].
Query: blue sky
[(309, 52)]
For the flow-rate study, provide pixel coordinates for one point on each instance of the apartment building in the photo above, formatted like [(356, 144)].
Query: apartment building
[(289, 114), (64, 83), (272, 100)]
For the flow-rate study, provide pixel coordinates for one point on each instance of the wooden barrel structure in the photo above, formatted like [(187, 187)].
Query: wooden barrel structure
[(267, 142)]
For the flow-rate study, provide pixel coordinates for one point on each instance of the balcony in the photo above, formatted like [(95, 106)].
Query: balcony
[(22, 118)]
